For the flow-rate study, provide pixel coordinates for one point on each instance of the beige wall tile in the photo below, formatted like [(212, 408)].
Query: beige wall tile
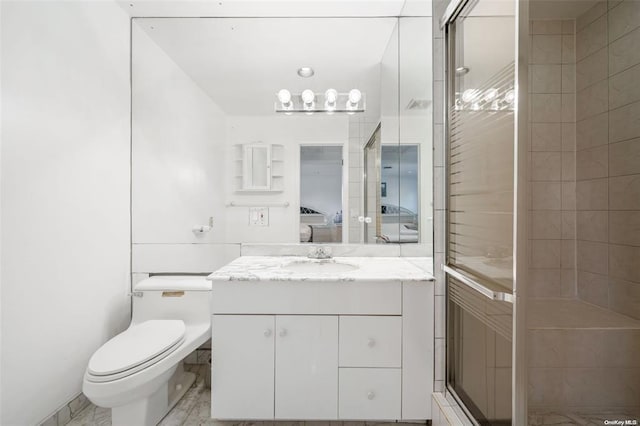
[(546, 196), (624, 52), (624, 19), (584, 387), (591, 69), (546, 49), (592, 163), (546, 108), (592, 100), (624, 228), (591, 38), (548, 348), (544, 283), (624, 297), (624, 192), (568, 283), (624, 88), (546, 137), (546, 166), (568, 80), (546, 27), (569, 49), (593, 226), (624, 157), (545, 253), (592, 257), (568, 137), (546, 224), (568, 107), (568, 225), (546, 387), (599, 9), (624, 262), (624, 123), (592, 131), (593, 288), (568, 166), (592, 194), (568, 195), (569, 26), (568, 258), (545, 78), (584, 348), (627, 344)]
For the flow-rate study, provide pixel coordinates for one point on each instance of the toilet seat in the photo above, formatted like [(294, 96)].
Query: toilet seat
[(135, 349)]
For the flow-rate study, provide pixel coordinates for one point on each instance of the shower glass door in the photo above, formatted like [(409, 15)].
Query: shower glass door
[(481, 92)]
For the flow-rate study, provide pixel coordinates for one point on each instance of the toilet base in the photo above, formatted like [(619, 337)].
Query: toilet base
[(150, 410)]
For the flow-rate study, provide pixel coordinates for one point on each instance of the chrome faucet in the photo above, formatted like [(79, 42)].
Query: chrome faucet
[(319, 252)]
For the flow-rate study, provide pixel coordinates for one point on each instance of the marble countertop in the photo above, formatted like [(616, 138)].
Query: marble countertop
[(273, 268)]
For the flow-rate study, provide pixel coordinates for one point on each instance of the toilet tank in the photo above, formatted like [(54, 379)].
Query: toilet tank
[(172, 297)]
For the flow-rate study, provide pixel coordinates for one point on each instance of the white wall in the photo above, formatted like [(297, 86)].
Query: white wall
[(290, 131), (64, 195), (179, 148)]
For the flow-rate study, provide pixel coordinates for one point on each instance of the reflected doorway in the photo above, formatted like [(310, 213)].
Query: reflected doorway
[(321, 193)]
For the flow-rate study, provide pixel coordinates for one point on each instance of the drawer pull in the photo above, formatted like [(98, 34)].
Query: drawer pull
[(371, 343), (371, 395), (283, 332), (267, 332)]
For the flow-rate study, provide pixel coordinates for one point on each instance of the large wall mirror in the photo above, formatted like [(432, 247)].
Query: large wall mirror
[(227, 121)]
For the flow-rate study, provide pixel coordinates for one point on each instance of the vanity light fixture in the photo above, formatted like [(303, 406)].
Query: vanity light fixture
[(308, 100), (329, 102), (331, 98)]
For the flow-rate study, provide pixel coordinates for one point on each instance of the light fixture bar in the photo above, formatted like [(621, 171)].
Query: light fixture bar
[(329, 102)]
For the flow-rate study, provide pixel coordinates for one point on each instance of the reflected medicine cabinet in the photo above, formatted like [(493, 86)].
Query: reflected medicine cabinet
[(259, 167)]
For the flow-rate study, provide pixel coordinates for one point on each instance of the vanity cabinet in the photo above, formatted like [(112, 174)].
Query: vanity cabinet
[(322, 350)]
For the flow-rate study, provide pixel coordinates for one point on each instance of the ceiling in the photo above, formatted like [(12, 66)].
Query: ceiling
[(242, 62), (275, 8)]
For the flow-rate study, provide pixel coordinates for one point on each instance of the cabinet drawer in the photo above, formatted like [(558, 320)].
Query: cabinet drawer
[(369, 393), (370, 341)]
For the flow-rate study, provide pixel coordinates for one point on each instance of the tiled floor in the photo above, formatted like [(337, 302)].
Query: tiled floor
[(194, 409), (571, 419)]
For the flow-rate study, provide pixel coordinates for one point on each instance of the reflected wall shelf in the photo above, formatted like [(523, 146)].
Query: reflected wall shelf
[(258, 168)]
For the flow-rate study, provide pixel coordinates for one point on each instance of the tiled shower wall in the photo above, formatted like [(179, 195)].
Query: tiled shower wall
[(552, 156), (608, 156)]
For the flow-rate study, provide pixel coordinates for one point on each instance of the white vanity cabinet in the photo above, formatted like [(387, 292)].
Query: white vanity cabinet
[(322, 350)]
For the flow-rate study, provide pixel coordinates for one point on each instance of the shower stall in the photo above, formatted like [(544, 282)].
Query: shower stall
[(541, 261)]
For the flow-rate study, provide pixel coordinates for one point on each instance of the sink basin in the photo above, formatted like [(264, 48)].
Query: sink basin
[(319, 267)]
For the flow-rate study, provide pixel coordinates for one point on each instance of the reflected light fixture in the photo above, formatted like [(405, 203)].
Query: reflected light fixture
[(354, 98), (308, 100), (284, 96), (306, 72), (331, 97)]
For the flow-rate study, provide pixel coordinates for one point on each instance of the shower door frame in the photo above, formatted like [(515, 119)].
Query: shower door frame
[(519, 380)]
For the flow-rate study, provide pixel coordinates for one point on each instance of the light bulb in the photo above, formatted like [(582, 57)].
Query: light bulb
[(354, 96), (490, 94), (469, 95), (284, 96), (331, 96), (308, 97), (510, 96)]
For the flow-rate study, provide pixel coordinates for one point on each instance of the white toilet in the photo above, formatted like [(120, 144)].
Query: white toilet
[(139, 373)]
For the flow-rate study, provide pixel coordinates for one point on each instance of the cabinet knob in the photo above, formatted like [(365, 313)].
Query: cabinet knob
[(283, 332), (371, 395), (267, 332), (371, 342)]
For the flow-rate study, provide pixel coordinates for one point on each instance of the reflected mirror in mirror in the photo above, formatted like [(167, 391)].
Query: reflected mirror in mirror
[(321, 194), (205, 90)]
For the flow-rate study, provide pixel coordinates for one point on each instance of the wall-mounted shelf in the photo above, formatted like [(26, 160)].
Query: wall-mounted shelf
[(258, 168)]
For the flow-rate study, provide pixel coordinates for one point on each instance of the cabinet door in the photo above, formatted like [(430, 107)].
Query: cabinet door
[(306, 367), (242, 366)]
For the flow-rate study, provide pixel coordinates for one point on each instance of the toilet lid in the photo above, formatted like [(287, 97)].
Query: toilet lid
[(135, 346)]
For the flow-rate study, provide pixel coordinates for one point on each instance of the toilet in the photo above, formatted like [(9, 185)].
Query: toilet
[(139, 373)]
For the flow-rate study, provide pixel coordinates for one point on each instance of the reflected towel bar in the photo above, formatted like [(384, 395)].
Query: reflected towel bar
[(480, 288), (234, 204)]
